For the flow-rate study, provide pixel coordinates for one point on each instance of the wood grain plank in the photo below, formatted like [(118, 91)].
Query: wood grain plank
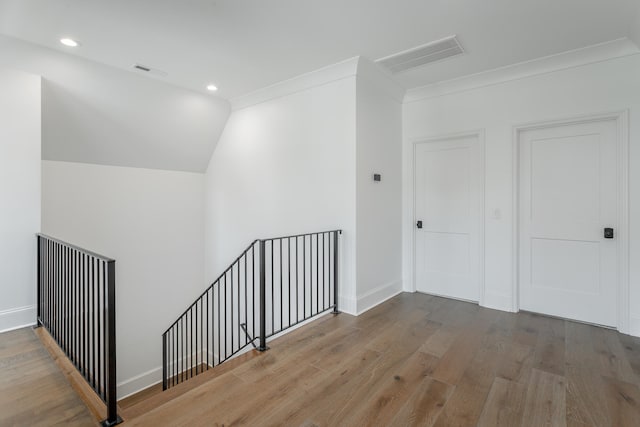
[(424, 405), (550, 347), (623, 400), (456, 360), (328, 395), (631, 346), (33, 389), (441, 341), (393, 392), (508, 369), (586, 403), (612, 356), (505, 404), (516, 362), (465, 405), (545, 404)]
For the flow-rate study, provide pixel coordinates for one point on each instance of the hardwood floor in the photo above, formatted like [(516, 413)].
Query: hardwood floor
[(33, 391), (415, 360), (427, 361)]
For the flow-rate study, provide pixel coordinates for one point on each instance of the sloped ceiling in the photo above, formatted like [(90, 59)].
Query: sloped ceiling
[(97, 109), (92, 113), (245, 45)]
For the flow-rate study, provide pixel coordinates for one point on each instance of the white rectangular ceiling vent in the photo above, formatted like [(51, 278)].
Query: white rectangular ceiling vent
[(422, 55)]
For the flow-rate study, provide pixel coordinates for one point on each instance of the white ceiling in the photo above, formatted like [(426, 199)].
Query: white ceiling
[(244, 45)]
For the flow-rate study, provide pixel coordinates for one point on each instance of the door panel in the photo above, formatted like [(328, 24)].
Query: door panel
[(448, 202), (568, 195)]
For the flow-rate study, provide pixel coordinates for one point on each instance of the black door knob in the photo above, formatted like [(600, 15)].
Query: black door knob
[(419, 224), (608, 233)]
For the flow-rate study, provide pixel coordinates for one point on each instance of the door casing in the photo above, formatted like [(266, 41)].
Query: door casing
[(480, 138), (621, 119)]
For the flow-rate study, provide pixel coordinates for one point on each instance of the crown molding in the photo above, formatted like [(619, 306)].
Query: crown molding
[(548, 64), (299, 83), (375, 74)]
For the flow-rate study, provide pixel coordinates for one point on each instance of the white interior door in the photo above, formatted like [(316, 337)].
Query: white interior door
[(568, 196), (448, 214)]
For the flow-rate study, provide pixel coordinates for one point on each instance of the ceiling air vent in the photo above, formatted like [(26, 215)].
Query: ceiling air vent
[(422, 55), (149, 70)]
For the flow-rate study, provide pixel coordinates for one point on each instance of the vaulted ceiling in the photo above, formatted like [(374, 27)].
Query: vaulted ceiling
[(244, 45)]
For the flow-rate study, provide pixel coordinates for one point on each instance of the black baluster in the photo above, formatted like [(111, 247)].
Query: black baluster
[(231, 306), (224, 306), (253, 288), (194, 338), (201, 334), (164, 361), (297, 284), (93, 323), (112, 409), (317, 272), (304, 277), (281, 295), (63, 302), (84, 310), (335, 272), (246, 314), (323, 276), (219, 346), (263, 300), (289, 277), (273, 314), (207, 326), (99, 337)]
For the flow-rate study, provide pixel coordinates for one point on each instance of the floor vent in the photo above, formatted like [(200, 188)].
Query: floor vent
[(422, 55)]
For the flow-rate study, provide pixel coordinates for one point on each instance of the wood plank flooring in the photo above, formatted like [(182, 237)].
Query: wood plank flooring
[(415, 360), (33, 390), (424, 361)]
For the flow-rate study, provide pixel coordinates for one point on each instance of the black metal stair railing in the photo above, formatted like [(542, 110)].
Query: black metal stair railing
[(76, 298), (274, 285)]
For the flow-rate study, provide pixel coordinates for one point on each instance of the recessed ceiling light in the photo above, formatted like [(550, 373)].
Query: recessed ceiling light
[(69, 42), (212, 88)]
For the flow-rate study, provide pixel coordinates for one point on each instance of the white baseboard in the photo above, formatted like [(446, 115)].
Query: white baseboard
[(139, 382), (16, 318), (152, 377), (634, 326), (498, 301), (377, 296), (348, 305)]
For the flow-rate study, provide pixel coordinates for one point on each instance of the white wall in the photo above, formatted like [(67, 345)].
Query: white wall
[(379, 204), (299, 157), (606, 86), (283, 166), (93, 113), (635, 30), (151, 222), (19, 196)]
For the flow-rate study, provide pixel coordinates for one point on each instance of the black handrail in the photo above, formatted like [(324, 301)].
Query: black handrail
[(76, 304), (294, 278)]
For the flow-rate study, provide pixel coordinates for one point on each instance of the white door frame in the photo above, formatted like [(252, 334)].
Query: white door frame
[(479, 135), (622, 143)]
